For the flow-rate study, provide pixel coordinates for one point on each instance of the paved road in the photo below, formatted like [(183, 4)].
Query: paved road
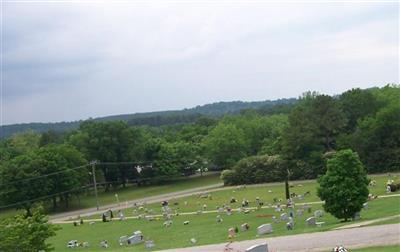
[(320, 241)]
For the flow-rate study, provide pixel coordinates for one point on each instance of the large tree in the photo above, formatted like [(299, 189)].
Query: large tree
[(109, 142), (313, 126), (26, 233), (35, 175), (225, 145), (378, 140), (344, 187)]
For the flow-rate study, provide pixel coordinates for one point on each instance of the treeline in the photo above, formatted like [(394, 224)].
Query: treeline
[(253, 146), (160, 118)]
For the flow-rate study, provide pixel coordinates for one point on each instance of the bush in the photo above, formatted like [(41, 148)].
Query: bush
[(255, 169), (229, 177)]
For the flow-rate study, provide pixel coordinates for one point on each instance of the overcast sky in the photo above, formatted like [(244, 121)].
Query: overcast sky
[(73, 60)]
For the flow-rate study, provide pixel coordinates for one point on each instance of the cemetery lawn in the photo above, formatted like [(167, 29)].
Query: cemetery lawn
[(393, 248), (206, 230), (131, 193)]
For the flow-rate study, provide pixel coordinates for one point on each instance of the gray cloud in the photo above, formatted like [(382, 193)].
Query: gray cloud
[(67, 61)]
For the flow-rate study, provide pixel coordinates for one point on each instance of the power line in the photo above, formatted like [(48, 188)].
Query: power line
[(46, 175), (43, 197), (75, 168)]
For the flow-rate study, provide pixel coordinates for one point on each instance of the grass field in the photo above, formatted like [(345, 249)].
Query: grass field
[(204, 227), (394, 248), (266, 193), (131, 193)]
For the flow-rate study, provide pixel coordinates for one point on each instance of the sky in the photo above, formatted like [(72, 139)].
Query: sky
[(71, 60)]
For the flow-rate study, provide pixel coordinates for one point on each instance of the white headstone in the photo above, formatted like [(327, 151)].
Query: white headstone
[(149, 244), (284, 216), (136, 238), (318, 214), (299, 212), (258, 248), (264, 229), (311, 221)]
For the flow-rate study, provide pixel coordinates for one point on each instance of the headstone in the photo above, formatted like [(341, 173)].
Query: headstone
[(72, 244), (123, 239), (167, 223), (299, 212), (258, 248), (231, 233), (365, 206), (136, 238), (300, 197), (311, 221), (193, 240), (104, 244), (274, 219), (284, 217), (318, 214), (244, 227), (289, 225), (149, 244), (219, 219), (220, 210), (357, 216), (264, 229), (186, 223)]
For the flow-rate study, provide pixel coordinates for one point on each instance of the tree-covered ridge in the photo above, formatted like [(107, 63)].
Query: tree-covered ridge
[(158, 118)]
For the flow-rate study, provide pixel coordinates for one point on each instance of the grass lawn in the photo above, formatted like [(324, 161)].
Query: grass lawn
[(394, 248), (204, 227), (131, 193), (266, 193)]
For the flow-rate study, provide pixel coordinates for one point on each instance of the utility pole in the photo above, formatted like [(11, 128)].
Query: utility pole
[(93, 163)]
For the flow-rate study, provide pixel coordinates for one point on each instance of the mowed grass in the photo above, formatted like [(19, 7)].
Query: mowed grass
[(204, 227), (131, 193), (267, 193), (393, 248)]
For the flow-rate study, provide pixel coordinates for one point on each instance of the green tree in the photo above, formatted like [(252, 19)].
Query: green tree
[(111, 141), (344, 187), (23, 183), (378, 140), (357, 104), (313, 127), (26, 233), (225, 145)]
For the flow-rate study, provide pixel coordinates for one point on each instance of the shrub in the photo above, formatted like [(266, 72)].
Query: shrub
[(255, 169)]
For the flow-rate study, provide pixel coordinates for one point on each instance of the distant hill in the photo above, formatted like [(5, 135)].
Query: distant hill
[(161, 117)]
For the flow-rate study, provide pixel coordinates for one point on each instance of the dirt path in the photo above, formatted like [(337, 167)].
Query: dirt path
[(320, 241)]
